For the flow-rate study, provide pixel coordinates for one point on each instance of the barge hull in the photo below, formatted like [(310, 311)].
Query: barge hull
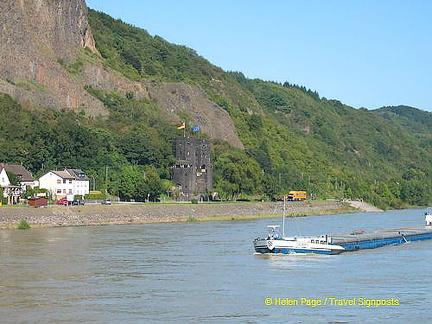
[(381, 238)]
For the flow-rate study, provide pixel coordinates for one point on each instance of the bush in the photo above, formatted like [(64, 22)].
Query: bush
[(194, 201), (23, 225), (96, 196)]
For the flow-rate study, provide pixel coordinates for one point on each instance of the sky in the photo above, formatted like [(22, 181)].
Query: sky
[(365, 53)]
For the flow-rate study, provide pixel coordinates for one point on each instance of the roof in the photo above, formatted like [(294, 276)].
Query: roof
[(18, 170), (78, 174), (63, 174), (71, 174)]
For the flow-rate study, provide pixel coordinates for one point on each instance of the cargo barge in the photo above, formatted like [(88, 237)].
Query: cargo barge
[(380, 238), (335, 244)]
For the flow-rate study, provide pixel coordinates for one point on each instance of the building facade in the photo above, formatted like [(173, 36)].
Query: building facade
[(13, 192), (25, 177), (4, 182), (66, 182), (193, 171), (4, 179)]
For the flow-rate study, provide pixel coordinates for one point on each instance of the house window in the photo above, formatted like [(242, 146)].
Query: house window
[(70, 181), (70, 191), (64, 191), (59, 191), (64, 180), (58, 180)]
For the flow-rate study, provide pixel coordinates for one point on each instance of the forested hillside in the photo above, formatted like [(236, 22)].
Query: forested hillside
[(292, 138), (415, 121)]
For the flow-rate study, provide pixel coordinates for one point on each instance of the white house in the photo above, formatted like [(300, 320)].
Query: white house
[(4, 181), (11, 192), (81, 183), (66, 182), (25, 178)]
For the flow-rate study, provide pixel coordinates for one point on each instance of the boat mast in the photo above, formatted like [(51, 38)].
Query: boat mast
[(283, 216)]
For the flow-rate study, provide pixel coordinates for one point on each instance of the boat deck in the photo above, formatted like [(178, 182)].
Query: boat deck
[(359, 240), (379, 234)]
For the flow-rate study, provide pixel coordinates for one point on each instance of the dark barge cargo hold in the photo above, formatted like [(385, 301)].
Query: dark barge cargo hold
[(335, 244), (380, 238)]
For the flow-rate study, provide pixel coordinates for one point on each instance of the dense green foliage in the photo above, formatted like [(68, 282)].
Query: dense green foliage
[(43, 139), (3, 200), (137, 54), (13, 178), (416, 121), (293, 138)]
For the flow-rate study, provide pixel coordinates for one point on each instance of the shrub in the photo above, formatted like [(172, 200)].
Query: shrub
[(96, 196), (23, 225)]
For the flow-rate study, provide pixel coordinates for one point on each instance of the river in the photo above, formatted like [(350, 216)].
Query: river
[(202, 272)]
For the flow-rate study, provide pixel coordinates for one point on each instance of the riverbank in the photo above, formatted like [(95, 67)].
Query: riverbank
[(53, 216)]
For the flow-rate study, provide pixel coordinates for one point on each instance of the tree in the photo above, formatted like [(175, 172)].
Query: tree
[(270, 186), (226, 189), (2, 198), (237, 173), (130, 178), (13, 178), (415, 192), (31, 192), (153, 183)]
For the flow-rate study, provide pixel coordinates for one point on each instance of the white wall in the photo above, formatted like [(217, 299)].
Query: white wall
[(60, 187), (81, 187), (4, 182), (4, 179)]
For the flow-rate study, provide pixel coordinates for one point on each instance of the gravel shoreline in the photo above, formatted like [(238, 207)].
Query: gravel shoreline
[(53, 216)]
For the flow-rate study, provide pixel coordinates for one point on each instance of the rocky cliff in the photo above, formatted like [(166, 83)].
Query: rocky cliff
[(48, 56), (180, 97), (36, 37)]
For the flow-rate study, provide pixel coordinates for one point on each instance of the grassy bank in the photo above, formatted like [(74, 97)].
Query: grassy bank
[(278, 215)]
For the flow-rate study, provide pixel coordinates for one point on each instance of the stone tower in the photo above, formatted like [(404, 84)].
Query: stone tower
[(193, 169)]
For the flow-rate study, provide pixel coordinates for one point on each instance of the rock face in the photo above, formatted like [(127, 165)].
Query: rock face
[(36, 37), (48, 56), (212, 119), (60, 26)]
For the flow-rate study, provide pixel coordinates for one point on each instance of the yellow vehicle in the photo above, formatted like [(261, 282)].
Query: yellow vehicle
[(297, 195)]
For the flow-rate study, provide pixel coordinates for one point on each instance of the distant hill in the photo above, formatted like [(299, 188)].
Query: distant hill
[(115, 99), (416, 120)]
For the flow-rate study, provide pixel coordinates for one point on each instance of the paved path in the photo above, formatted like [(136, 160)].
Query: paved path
[(364, 206)]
